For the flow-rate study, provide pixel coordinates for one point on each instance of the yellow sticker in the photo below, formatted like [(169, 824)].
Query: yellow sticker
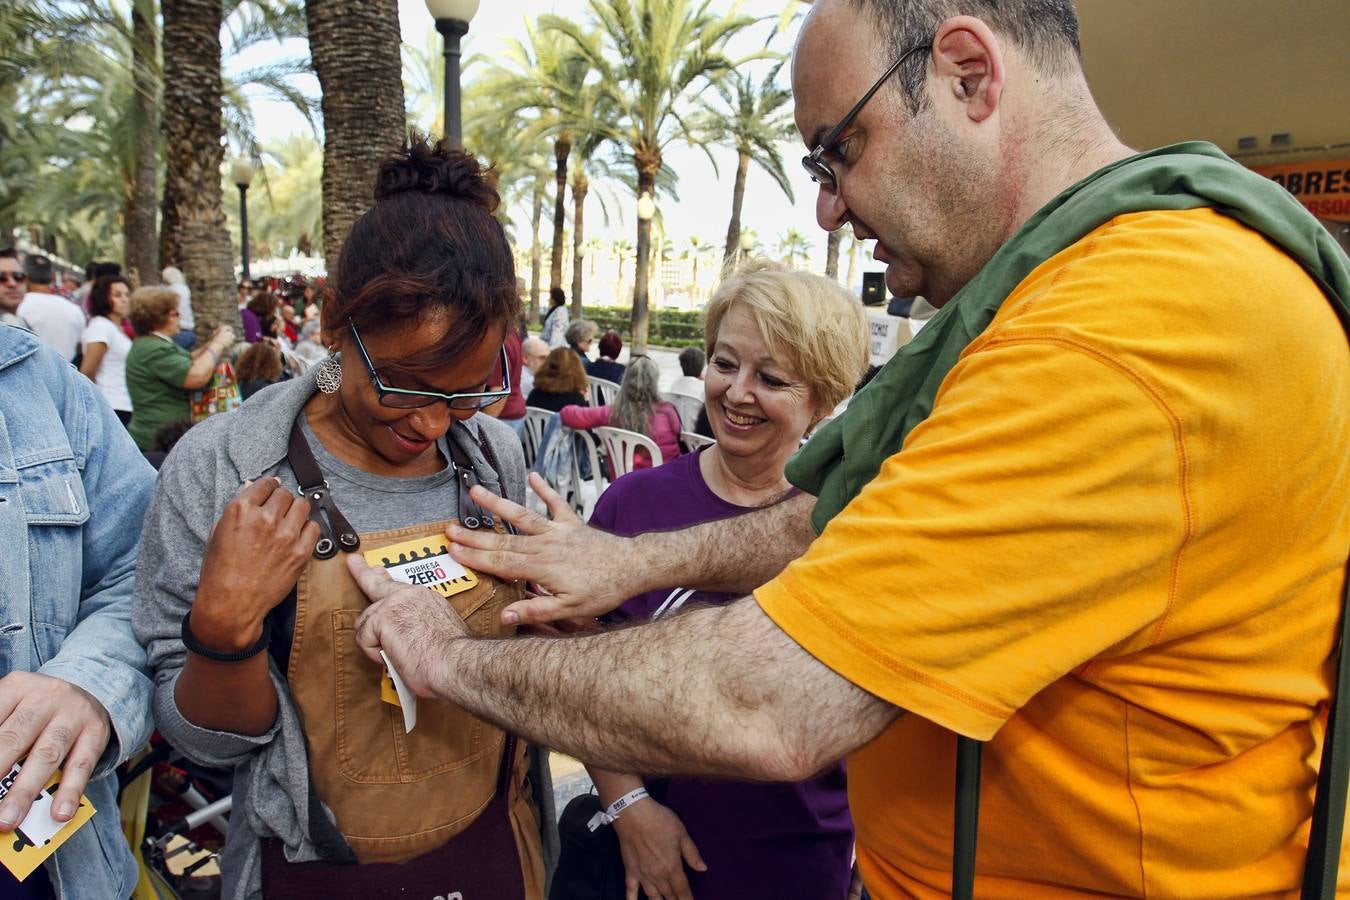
[(38, 835), (426, 562), (423, 561)]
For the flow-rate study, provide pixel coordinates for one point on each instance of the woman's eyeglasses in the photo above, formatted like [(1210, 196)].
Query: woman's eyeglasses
[(401, 398)]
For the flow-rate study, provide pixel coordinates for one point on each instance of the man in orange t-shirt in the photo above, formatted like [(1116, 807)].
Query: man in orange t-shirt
[(1112, 543)]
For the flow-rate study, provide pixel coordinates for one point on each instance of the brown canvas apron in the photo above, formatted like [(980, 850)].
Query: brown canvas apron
[(441, 805)]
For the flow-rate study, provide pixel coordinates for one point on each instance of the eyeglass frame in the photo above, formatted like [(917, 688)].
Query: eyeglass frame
[(820, 171), (15, 277), (382, 390)]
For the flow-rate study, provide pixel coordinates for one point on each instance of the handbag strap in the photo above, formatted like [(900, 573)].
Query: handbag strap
[(1328, 817)]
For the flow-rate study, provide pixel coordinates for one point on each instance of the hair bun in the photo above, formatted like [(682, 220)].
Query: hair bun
[(427, 168)]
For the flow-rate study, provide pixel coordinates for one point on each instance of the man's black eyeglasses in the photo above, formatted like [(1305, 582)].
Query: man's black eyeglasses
[(814, 162), (400, 398), (16, 277)]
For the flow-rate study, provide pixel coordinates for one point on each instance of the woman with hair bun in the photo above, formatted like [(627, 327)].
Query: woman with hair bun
[(346, 785)]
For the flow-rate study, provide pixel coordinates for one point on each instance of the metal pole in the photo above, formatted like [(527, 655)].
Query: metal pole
[(452, 30), (243, 229)]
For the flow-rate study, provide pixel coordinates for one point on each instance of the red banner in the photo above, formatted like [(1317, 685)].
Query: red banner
[(1323, 187)]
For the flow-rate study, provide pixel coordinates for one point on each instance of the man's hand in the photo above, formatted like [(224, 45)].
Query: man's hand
[(655, 848), (414, 626), (55, 725), (585, 572), (253, 558)]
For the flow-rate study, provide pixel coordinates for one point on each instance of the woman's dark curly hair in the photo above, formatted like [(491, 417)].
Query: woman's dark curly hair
[(100, 295), (429, 246)]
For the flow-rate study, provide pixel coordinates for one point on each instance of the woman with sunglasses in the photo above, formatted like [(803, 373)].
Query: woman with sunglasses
[(345, 785)]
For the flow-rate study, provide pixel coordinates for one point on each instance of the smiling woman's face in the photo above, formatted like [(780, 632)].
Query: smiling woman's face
[(407, 437), (757, 405)]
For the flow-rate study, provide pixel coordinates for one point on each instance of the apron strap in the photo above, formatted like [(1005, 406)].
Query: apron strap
[(334, 529)]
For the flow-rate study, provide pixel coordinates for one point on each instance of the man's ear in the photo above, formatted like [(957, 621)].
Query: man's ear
[(968, 60)]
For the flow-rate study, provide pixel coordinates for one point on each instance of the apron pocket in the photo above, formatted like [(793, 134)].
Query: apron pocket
[(372, 747)]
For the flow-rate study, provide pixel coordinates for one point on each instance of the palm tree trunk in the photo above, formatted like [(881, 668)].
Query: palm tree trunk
[(737, 198), (580, 187), (638, 325), (562, 148), (536, 255), (139, 241), (852, 261), (194, 221), (355, 45), (832, 254)]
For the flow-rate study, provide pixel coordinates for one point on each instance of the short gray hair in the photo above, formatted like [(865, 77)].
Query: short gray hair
[(1046, 30), (580, 330)]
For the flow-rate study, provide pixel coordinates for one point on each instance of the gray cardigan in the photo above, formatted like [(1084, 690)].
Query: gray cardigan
[(204, 471)]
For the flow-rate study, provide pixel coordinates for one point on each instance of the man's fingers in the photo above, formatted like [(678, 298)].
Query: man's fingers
[(558, 508), (367, 634), (631, 886), (75, 772), (537, 611), (525, 520), (691, 856), (373, 581), (506, 564), (46, 754)]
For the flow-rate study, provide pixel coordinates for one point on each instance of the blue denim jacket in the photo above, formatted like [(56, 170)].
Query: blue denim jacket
[(73, 492)]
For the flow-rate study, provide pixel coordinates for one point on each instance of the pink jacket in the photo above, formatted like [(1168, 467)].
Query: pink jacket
[(664, 428)]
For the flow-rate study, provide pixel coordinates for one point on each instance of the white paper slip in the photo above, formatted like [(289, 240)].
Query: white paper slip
[(407, 700)]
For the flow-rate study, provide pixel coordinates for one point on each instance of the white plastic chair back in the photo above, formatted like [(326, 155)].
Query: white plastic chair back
[(602, 392), (620, 444), (533, 433), (692, 441), (583, 492), (688, 408)]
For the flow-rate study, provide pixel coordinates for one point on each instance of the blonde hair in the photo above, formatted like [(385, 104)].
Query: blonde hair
[(150, 308), (809, 322)]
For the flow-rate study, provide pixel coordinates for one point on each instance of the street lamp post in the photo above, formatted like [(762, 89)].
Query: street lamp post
[(242, 172), (646, 210), (452, 21)]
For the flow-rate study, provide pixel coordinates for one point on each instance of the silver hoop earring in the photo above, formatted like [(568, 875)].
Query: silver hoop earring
[(329, 374)]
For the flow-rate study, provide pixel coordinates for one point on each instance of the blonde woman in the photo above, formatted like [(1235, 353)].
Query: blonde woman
[(784, 349)]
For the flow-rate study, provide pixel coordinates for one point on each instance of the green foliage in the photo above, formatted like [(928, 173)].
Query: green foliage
[(668, 328)]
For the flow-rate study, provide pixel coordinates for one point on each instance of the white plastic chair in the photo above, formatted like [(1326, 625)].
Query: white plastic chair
[(688, 407), (603, 392), (692, 441), (583, 492), (620, 444), (533, 433)]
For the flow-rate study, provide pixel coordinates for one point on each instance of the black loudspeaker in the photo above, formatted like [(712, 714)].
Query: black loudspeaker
[(874, 288)]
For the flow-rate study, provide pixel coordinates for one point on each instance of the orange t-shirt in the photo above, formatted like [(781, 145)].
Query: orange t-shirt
[(1116, 551)]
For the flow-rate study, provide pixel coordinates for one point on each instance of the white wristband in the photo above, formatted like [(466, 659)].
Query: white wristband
[(601, 819)]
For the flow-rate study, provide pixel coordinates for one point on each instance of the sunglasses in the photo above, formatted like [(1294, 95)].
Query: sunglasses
[(401, 398), (15, 277), (814, 164)]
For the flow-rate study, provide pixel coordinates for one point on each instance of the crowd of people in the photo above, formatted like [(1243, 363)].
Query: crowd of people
[(1085, 535)]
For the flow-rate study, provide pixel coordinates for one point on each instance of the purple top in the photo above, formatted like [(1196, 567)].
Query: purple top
[(252, 327), (760, 841)]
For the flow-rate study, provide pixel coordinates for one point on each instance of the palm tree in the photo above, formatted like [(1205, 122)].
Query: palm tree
[(754, 118), (793, 244), (355, 48), (696, 249), (854, 245), (193, 235), (622, 249), (653, 58), (832, 242)]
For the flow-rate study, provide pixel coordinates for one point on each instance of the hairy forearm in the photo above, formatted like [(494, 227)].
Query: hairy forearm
[(715, 691), (729, 557)]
